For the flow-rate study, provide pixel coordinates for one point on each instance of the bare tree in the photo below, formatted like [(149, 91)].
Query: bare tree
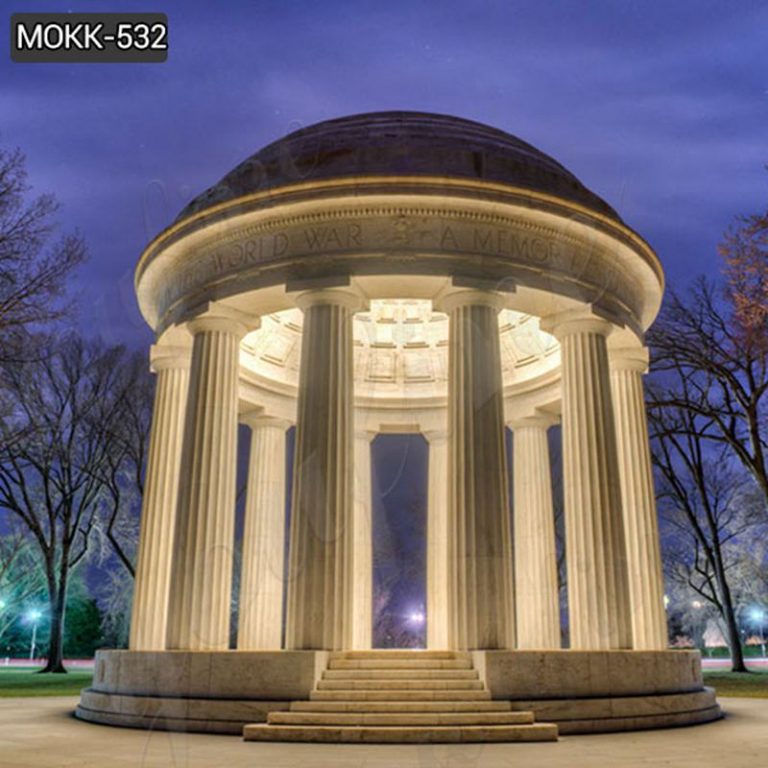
[(56, 435), (710, 349), (122, 472), (33, 266), (706, 502)]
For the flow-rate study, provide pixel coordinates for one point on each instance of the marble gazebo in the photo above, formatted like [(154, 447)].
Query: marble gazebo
[(399, 272)]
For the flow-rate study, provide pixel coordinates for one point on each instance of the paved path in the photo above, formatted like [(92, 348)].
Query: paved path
[(41, 733)]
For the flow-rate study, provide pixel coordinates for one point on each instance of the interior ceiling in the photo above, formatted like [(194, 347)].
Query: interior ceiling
[(400, 344)]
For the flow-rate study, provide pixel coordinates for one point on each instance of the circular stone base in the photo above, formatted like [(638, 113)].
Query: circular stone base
[(220, 692)]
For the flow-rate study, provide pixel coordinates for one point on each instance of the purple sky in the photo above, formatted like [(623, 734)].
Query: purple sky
[(661, 108)]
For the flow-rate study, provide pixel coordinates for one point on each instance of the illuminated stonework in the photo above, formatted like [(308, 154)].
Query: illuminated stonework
[(400, 349), (403, 273)]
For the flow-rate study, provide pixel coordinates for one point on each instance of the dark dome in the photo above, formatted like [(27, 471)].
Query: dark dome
[(399, 144)]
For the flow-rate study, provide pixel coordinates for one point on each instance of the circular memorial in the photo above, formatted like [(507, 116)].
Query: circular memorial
[(387, 273)]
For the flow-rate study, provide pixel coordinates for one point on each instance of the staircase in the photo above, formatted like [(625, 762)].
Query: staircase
[(400, 697)]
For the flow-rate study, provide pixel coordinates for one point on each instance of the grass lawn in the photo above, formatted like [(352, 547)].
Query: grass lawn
[(753, 685), (25, 681)]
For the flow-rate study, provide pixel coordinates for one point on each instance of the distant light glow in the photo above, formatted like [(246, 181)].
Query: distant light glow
[(34, 615), (416, 617), (697, 604), (757, 614)]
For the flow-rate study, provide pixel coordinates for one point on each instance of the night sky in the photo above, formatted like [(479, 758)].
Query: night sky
[(661, 108)]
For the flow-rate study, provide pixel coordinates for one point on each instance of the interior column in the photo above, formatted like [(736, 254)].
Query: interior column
[(480, 546), (437, 542), (598, 592), (199, 609), (361, 605), (646, 581), (158, 514), (536, 589), (260, 610), (322, 532)]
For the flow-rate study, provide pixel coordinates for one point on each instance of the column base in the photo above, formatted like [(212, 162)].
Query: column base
[(601, 691), (221, 692), (196, 691)]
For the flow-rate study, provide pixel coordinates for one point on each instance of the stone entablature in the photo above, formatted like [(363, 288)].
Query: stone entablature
[(470, 231)]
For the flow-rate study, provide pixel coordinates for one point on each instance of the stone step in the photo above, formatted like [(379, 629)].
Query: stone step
[(400, 718), (401, 735), (416, 663), (400, 706), (399, 684), (399, 654), (400, 674), (400, 695)]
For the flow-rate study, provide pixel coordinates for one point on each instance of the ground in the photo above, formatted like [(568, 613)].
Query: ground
[(42, 733)]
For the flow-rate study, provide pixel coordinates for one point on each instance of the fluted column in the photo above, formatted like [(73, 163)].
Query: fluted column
[(437, 542), (361, 606), (200, 599), (536, 590), (481, 593), (598, 593), (322, 533), (261, 581), (646, 582), (158, 514)]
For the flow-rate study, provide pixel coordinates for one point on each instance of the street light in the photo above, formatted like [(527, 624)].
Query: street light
[(33, 616), (697, 605), (758, 616)]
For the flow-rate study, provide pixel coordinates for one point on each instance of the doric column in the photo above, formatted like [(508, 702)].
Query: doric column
[(322, 533), (437, 542), (536, 590), (646, 582), (200, 599), (261, 581), (481, 593), (361, 605), (598, 593), (158, 514)]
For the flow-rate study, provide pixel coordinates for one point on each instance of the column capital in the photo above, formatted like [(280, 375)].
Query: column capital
[(455, 298), (257, 418), (537, 421), (562, 324), (219, 317), (350, 297), (366, 434), (629, 359), (433, 436), (163, 357)]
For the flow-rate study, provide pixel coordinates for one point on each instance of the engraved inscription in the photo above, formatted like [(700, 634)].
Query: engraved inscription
[(523, 249)]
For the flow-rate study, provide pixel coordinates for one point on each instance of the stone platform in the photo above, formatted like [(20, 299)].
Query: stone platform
[(222, 692)]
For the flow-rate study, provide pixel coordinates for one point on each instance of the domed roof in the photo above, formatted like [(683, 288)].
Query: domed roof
[(399, 144)]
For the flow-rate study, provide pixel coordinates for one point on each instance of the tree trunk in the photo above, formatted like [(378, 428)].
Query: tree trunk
[(729, 615), (57, 599)]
